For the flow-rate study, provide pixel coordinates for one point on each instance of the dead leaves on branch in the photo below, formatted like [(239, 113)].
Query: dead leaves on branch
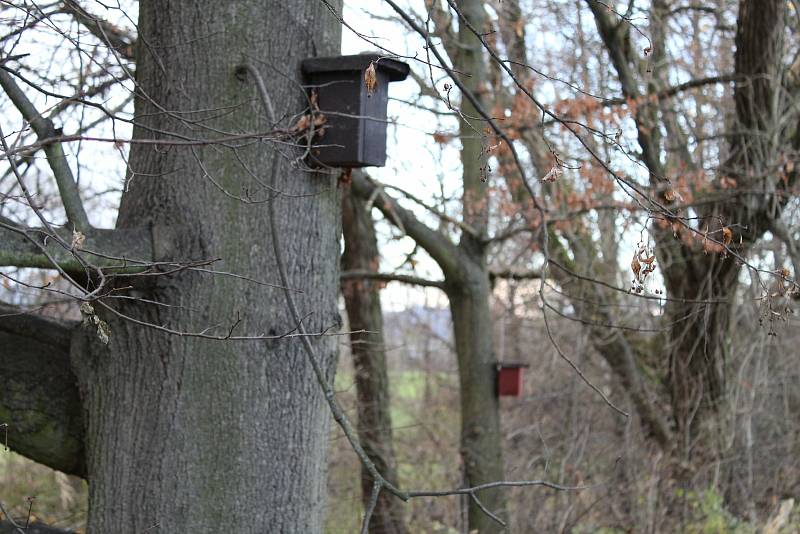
[(304, 123), (370, 78), (717, 245), (643, 264), (78, 239), (313, 121), (672, 195), (777, 299), (90, 319), (555, 171), (727, 236), (553, 174)]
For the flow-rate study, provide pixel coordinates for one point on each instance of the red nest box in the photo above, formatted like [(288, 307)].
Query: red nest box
[(509, 379)]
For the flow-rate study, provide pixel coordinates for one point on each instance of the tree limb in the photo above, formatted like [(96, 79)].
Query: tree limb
[(24, 247), (511, 274), (67, 187), (39, 398), (115, 37), (391, 277), (671, 91), (440, 248), (616, 37)]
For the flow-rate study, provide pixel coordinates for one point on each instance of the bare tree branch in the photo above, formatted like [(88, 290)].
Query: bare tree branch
[(392, 277), (115, 37), (439, 246), (67, 187)]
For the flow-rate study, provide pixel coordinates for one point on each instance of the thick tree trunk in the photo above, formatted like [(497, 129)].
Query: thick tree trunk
[(363, 302), (698, 330), (696, 345), (190, 434), (481, 439)]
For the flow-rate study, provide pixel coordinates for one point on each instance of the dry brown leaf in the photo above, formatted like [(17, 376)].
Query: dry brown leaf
[(636, 267), (370, 78), (553, 174), (304, 123), (671, 195), (301, 124), (727, 236), (78, 240), (441, 138)]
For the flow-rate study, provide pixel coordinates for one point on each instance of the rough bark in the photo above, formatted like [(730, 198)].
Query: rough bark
[(363, 303), (696, 344), (190, 434), (39, 394)]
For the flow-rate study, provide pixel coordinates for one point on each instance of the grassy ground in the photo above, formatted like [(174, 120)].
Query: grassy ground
[(58, 499)]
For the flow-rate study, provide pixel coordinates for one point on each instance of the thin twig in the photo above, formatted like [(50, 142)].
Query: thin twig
[(373, 500), (11, 519)]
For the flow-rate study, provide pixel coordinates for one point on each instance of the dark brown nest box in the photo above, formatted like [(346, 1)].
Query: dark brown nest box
[(355, 127), (509, 379)]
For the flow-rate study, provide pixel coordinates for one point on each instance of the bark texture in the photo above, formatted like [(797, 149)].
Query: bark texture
[(481, 438), (39, 394), (363, 302), (194, 435)]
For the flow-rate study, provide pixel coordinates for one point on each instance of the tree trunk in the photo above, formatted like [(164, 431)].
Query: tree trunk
[(363, 302), (696, 345), (469, 288), (481, 439), (185, 434), (698, 330)]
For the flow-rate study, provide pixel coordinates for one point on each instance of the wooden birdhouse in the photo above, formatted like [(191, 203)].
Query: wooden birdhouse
[(509, 379), (354, 107)]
